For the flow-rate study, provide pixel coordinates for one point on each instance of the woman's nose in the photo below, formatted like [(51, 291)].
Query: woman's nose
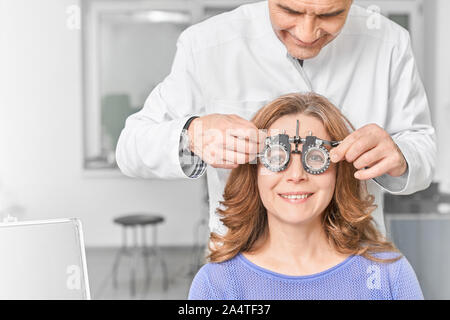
[(295, 171)]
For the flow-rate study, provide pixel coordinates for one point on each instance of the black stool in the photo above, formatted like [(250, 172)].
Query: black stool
[(134, 221)]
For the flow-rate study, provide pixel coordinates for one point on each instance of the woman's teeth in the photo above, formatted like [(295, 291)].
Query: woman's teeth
[(296, 196)]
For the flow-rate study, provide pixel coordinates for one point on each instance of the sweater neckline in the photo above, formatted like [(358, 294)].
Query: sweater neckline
[(274, 274)]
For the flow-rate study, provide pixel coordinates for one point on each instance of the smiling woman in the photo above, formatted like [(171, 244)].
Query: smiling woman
[(340, 199), (297, 235)]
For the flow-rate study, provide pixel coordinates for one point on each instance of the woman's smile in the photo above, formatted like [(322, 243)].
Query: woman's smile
[(295, 197)]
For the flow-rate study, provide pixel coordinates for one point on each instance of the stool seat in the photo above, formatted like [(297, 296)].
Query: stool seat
[(134, 222), (138, 219)]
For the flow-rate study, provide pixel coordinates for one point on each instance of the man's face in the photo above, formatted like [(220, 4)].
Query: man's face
[(306, 26)]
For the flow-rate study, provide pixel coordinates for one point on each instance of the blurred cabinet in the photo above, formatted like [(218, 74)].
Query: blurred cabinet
[(424, 238)]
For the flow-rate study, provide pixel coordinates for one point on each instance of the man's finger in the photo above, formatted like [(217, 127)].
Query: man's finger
[(360, 146), (240, 145), (234, 157), (216, 158), (225, 166), (369, 158), (338, 153), (250, 134), (373, 172), (356, 144), (248, 125)]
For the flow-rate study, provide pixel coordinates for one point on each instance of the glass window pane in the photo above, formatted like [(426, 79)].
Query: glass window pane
[(136, 51), (401, 19)]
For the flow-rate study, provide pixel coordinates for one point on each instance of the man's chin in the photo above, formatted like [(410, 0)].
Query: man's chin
[(303, 53)]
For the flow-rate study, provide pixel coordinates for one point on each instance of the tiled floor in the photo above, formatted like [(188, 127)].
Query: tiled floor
[(182, 265)]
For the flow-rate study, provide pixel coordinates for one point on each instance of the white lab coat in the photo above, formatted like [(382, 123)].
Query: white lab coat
[(233, 63)]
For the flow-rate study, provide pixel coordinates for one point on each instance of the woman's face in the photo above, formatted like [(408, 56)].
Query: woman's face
[(275, 186)]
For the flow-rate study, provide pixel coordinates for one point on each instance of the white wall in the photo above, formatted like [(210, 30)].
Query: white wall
[(41, 135), (440, 56)]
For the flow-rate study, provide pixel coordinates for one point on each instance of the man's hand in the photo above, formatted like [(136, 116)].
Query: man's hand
[(225, 140), (371, 147)]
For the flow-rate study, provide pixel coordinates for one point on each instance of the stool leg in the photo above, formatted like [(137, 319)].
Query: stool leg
[(161, 259), (134, 264), (118, 257), (145, 254)]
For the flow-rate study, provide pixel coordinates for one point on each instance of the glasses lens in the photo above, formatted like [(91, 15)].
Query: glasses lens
[(276, 156), (316, 159)]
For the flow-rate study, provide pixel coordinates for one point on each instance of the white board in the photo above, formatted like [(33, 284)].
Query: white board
[(43, 260)]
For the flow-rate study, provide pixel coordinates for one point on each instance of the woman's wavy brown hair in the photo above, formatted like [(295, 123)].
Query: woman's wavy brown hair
[(347, 221)]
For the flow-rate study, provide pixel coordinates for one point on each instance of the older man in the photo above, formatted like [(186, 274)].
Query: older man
[(229, 66)]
